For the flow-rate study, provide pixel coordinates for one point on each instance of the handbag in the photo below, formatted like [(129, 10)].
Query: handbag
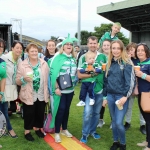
[(64, 81), (145, 101), (46, 126), (47, 122), (10, 93)]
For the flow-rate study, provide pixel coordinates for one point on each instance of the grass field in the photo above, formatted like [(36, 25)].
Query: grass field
[(133, 135)]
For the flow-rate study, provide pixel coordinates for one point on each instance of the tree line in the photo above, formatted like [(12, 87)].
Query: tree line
[(98, 32)]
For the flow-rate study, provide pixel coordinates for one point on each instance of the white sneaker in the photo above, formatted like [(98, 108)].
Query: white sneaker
[(81, 103), (101, 123), (111, 126), (66, 133), (143, 144), (57, 138), (92, 101)]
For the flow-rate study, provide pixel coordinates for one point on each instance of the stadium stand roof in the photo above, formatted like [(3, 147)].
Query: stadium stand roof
[(134, 15)]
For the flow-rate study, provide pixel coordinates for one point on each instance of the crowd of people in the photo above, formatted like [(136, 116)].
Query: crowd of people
[(108, 76)]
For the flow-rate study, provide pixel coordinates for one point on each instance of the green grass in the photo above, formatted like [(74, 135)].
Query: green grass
[(133, 135)]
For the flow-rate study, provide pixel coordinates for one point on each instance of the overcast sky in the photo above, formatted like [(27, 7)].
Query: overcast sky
[(42, 19)]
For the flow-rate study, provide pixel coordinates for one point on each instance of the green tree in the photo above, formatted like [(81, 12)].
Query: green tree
[(84, 36), (99, 31)]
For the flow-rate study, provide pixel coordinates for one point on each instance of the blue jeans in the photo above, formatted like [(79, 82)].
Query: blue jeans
[(117, 117), (4, 110), (91, 115)]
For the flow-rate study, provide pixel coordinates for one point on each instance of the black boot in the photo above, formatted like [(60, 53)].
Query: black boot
[(29, 137), (39, 133), (127, 126), (122, 147), (115, 146), (143, 129)]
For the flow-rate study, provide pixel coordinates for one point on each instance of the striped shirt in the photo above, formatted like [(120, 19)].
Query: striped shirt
[(69, 66)]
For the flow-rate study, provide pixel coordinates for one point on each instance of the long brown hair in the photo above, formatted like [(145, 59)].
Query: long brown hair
[(123, 57), (47, 54)]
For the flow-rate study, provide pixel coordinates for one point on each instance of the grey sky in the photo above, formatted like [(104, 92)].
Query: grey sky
[(42, 19)]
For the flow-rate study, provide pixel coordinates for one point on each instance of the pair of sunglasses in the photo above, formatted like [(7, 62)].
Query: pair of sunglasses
[(143, 44)]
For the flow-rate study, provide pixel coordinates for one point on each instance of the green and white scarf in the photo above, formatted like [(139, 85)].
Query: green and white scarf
[(15, 69), (36, 76)]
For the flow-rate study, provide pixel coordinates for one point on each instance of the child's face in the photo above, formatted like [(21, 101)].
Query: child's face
[(129, 55), (115, 29), (90, 59), (106, 47), (131, 52)]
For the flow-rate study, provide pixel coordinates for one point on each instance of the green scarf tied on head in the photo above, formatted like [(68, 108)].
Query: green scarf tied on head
[(69, 40)]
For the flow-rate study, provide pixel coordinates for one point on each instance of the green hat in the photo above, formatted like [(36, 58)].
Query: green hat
[(118, 24), (69, 40)]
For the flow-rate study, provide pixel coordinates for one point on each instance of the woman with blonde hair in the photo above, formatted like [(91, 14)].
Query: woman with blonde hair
[(61, 64), (119, 84)]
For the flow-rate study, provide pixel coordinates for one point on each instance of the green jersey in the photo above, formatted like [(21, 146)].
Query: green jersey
[(107, 36), (92, 79), (2, 69), (100, 59)]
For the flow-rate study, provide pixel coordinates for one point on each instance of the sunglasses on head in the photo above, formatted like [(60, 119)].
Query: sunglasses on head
[(142, 44)]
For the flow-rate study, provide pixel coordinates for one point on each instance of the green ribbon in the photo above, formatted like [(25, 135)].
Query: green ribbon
[(36, 76), (15, 73), (144, 63)]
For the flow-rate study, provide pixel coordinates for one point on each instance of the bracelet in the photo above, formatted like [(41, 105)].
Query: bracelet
[(3, 98), (57, 87), (105, 98), (144, 76), (23, 82), (2, 93)]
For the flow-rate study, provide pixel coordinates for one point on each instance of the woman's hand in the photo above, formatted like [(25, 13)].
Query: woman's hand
[(104, 103), (138, 73), (0, 97), (122, 101), (27, 79), (58, 92)]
